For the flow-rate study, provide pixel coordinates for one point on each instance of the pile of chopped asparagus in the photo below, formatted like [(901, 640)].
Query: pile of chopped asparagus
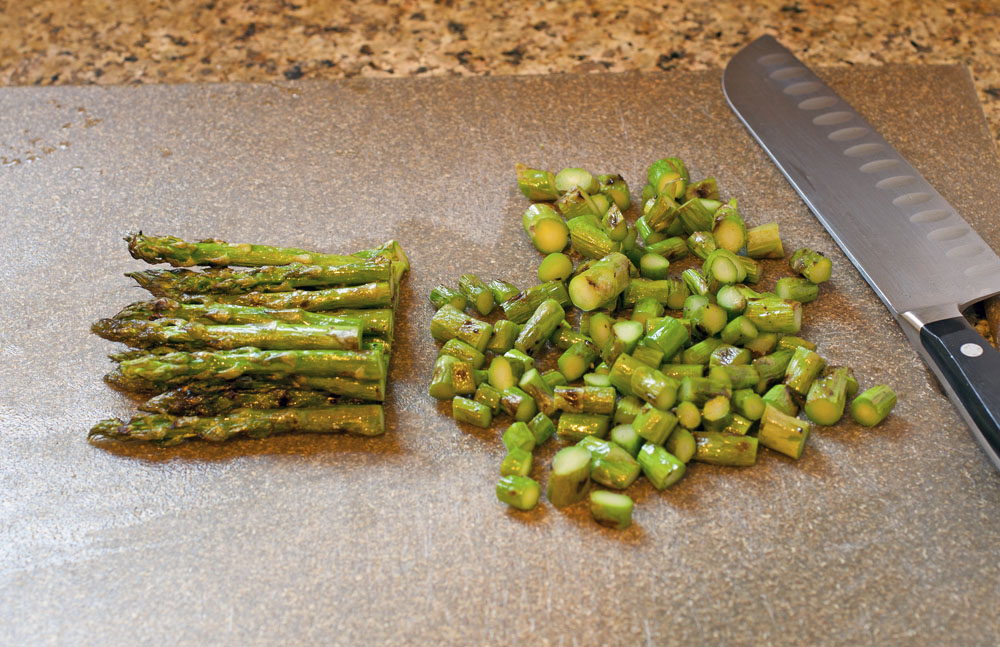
[(268, 340), (662, 367)]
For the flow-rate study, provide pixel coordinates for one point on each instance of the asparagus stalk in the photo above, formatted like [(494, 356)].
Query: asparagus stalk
[(578, 358), (569, 478), (775, 315), (796, 288), (546, 228), (723, 449), (374, 322), (625, 437), (505, 332), (610, 465), (502, 290), (654, 425), (180, 367), (611, 509), (827, 397), (489, 395), (872, 406), (520, 308), (518, 435), (536, 184), (198, 399), (463, 351), (585, 399), (764, 241), (782, 432), (589, 239), (576, 426), (471, 412), (368, 295), (180, 253), (706, 188), (476, 293), (542, 427), (274, 278), (540, 326), (811, 264), (449, 323), (604, 281), (363, 419), (442, 295), (539, 390), (804, 367), (518, 491), (187, 335), (614, 187), (571, 178), (681, 444), (662, 468)]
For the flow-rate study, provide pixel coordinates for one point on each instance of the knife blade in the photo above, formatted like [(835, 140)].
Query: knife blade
[(920, 257)]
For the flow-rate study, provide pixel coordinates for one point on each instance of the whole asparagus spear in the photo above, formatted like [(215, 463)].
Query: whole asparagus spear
[(369, 295), (180, 253), (363, 419), (187, 335), (347, 387), (272, 278), (198, 399), (375, 322), (181, 367)]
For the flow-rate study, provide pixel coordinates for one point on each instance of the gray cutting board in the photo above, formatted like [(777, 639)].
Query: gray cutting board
[(886, 536)]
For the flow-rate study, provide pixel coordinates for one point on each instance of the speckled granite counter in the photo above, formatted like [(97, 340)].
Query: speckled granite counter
[(63, 42)]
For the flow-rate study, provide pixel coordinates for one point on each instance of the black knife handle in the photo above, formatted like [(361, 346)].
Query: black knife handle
[(971, 368)]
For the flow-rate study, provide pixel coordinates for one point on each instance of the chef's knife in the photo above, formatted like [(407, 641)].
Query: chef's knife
[(921, 258)]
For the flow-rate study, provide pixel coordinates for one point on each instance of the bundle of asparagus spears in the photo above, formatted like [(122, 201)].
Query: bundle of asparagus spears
[(638, 389), (267, 340)]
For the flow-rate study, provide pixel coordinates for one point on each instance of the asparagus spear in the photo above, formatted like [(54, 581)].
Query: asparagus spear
[(187, 335), (180, 253), (180, 367), (363, 419), (374, 321), (376, 294), (272, 278), (199, 399)]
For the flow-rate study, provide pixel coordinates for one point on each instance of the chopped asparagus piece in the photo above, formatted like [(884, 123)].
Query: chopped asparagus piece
[(662, 468), (542, 427), (604, 281), (575, 426), (470, 411), (518, 435), (477, 293), (536, 184), (764, 241), (827, 397), (569, 478), (625, 437), (517, 462), (540, 326), (871, 407), (611, 509), (782, 432), (518, 492), (811, 264), (555, 267), (681, 444), (804, 367), (449, 323), (442, 295), (722, 449)]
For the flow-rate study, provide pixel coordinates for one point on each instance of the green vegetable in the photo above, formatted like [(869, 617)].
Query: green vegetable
[(363, 419), (611, 509), (871, 407), (518, 492), (569, 478)]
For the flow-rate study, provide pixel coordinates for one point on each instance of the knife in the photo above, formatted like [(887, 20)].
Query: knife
[(921, 258)]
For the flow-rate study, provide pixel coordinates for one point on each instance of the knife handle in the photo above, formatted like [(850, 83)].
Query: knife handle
[(970, 367)]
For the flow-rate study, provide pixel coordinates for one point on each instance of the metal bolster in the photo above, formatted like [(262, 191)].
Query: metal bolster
[(929, 314)]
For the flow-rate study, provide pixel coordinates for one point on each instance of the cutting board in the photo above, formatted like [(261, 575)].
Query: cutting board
[(882, 536)]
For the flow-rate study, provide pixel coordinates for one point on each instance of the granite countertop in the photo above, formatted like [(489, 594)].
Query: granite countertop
[(53, 42)]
